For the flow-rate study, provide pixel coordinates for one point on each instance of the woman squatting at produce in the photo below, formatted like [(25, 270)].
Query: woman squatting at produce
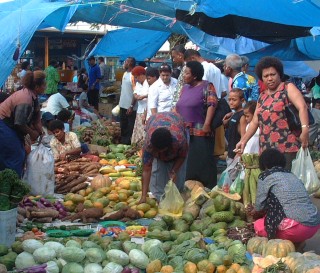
[(20, 116), (164, 152), (290, 213)]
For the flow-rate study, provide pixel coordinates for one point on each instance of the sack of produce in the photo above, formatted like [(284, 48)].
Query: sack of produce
[(40, 171)]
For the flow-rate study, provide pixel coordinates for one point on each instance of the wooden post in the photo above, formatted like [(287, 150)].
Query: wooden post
[(46, 51)]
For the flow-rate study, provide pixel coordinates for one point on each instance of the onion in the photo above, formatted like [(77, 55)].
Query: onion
[(126, 270)]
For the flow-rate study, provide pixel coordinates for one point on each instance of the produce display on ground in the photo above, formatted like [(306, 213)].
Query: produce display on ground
[(94, 224)]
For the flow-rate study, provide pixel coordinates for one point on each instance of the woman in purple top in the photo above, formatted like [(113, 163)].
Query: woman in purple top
[(197, 104)]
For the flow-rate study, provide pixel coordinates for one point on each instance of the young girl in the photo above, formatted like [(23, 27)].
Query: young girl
[(252, 146), (235, 122)]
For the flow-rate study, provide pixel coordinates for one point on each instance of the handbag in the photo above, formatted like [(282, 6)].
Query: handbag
[(222, 109), (292, 115)]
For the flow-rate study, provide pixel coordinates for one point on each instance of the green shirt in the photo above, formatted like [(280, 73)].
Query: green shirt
[(52, 79)]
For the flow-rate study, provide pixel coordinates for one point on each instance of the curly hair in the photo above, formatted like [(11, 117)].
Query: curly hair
[(267, 62), (33, 79), (271, 158), (161, 138), (196, 69)]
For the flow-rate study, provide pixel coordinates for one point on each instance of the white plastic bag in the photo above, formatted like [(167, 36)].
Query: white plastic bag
[(229, 175), (40, 171), (303, 168)]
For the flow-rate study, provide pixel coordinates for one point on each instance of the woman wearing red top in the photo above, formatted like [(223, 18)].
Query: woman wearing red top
[(270, 115)]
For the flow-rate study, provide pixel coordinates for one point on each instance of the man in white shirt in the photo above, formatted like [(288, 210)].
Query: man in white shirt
[(57, 102), (152, 77), (162, 91), (127, 103), (211, 72)]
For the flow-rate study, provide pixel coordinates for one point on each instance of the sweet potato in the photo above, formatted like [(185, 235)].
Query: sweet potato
[(22, 211), (89, 168), (79, 187), (70, 185), (45, 213), (44, 220)]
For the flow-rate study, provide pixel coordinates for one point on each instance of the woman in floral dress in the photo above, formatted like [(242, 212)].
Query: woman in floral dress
[(270, 113)]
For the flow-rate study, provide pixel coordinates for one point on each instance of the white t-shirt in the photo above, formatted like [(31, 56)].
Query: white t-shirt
[(126, 91), (83, 97), (161, 95), (141, 90), (224, 85), (252, 146), (56, 103), (212, 74)]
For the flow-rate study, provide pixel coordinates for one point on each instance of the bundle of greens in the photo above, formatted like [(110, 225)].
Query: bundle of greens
[(12, 189)]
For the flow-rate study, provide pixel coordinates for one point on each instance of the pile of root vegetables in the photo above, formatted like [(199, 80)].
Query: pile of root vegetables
[(72, 176)]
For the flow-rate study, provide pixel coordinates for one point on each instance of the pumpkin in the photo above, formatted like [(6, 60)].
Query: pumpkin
[(206, 266), (167, 269), (278, 248), (100, 181), (190, 267), (221, 269), (154, 266), (256, 245), (235, 266)]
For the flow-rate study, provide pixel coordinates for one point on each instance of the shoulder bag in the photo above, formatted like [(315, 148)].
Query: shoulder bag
[(292, 115)]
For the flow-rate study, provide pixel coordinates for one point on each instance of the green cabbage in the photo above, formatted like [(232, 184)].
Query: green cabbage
[(89, 244), (118, 256), (216, 257), (237, 251), (72, 268), (112, 267), (57, 247), (127, 246), (195, 255), (93, 268), (73, 243), (157, 253), (177, 263), (73, 254), (95, 255), (52, 267), (3, 250), (30, 245), (44, 254), (148, 244), (24, 259), (138, 258)]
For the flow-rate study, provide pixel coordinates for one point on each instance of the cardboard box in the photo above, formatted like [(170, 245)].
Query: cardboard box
[(106, 108)]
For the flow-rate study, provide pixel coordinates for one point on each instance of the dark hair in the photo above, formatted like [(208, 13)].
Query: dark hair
[(179, 48), (25, 64), (191, 52), (238, 91), (46, 119), (271, 158), (175, 73), (85, 86), (64, 115), (196, 69), (251, 106), (164, 67), (316, 101), (33, 79), (152, 72), (56, 124), (161, 138), (3, 96), (101, 59), (132, 61), (91, 58), (267, 62), (75, 68)]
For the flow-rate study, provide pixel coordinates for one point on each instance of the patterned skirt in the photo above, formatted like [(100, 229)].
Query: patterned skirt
[(138, 130)]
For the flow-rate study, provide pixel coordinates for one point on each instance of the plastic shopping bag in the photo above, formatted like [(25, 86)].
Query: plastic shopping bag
[(40, 171), (229, 175), (303, 168), (171, 202), (238, 183)]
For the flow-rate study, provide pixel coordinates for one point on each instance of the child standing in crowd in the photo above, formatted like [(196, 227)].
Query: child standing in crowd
[(252, 146), (235, 122)]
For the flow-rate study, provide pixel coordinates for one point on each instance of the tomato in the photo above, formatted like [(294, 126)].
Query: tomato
[(102, 230), (34, 230), (144, 229)]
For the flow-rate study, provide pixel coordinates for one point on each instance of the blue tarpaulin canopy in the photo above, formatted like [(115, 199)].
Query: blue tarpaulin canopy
[(19, 19)]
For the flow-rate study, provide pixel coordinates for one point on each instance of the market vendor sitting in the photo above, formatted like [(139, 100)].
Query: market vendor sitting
[(84, 105), (64, 145), (164, 152), (290, 213)]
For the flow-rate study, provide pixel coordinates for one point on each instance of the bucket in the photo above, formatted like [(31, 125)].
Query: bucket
[(8, 226)]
